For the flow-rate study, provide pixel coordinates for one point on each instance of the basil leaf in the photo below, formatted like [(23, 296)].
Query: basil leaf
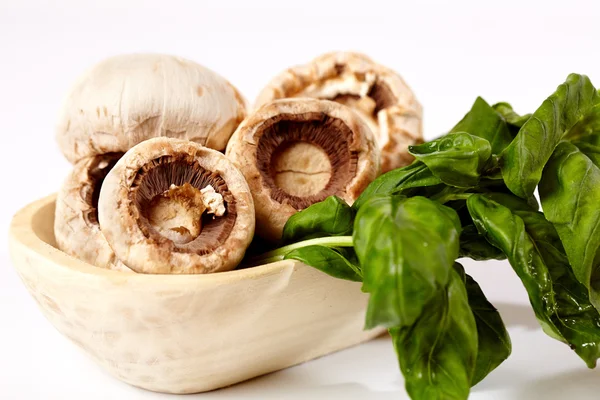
[(483, 121), (579, 319), (570, 195), (587, 127), (494, 345), (438, 353), (474, 245), (328, 260), (592, 151), (524, 159), (514, 120), (535, 252), (330, 217), (457, 158), (406, 248), (394, 182), (507, 231)]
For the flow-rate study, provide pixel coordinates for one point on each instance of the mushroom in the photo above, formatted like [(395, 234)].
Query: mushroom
[(296, 152), (173, 206), (127, 99), (377, 93), (76, 227)]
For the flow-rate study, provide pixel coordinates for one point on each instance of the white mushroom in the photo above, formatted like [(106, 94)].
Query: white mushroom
[(153, 209), (127, 99), (76, 226), (377, 93), (296, 152)]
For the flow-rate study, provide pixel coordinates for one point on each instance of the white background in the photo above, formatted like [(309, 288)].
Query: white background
[(449, 53)]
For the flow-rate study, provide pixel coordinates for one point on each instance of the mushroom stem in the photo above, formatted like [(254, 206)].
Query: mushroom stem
[(279, 253), (177, 213)]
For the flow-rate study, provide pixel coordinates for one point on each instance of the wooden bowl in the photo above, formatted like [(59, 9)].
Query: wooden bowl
[(186, 333)]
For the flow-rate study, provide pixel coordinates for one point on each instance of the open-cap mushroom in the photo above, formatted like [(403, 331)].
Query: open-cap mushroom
[(173, 206), (379, 94), (296, 152), (76, 227), (127, 99)]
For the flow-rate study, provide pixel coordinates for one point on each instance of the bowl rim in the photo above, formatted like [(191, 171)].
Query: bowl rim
[(23, 232)]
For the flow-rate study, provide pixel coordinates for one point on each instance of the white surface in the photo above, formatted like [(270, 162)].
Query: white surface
[(449, 52)]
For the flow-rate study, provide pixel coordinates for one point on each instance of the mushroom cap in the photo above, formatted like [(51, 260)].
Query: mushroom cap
[(395, 115), (119, 217), (75, 223), (271, 214), (127, 99)]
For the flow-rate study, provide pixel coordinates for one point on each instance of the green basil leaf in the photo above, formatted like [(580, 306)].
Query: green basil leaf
[(406, 248), (327, 260), (535, 252), (525, 158), (570, 195), (483, 121), (514, 120), (394, 182), (494, 345), (587, 127), (579, 320), (438, 352), (591, 151), (593, 139), (457, 158), (474, 245), (330, 217), (507, 231)]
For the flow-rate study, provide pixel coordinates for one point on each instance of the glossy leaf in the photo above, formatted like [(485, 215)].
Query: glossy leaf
[(570, 194), (483, 121), (438, 353), (534, 250), (394, 182), (576, 317), (525, 158), (328, 260), (507, 231), (331, 217), (475, 246), (494, 345), (406, 248), (457, 158)]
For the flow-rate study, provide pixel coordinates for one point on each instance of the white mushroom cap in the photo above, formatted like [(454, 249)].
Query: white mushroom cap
[(76, 226), (127, 99), (378, 93), (275, 204), (142, 248)]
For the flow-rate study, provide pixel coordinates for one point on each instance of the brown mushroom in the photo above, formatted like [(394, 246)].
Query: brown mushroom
[(127, 99), (76, 226), (296, 152), (379, 94), (173, 206)]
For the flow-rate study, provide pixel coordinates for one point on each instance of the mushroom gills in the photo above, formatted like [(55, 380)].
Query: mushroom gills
[(89, 192), (304, 158), (76, 227), (379, 97), (178, 201)]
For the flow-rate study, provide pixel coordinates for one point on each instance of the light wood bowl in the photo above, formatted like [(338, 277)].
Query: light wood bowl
[(186, 333)]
